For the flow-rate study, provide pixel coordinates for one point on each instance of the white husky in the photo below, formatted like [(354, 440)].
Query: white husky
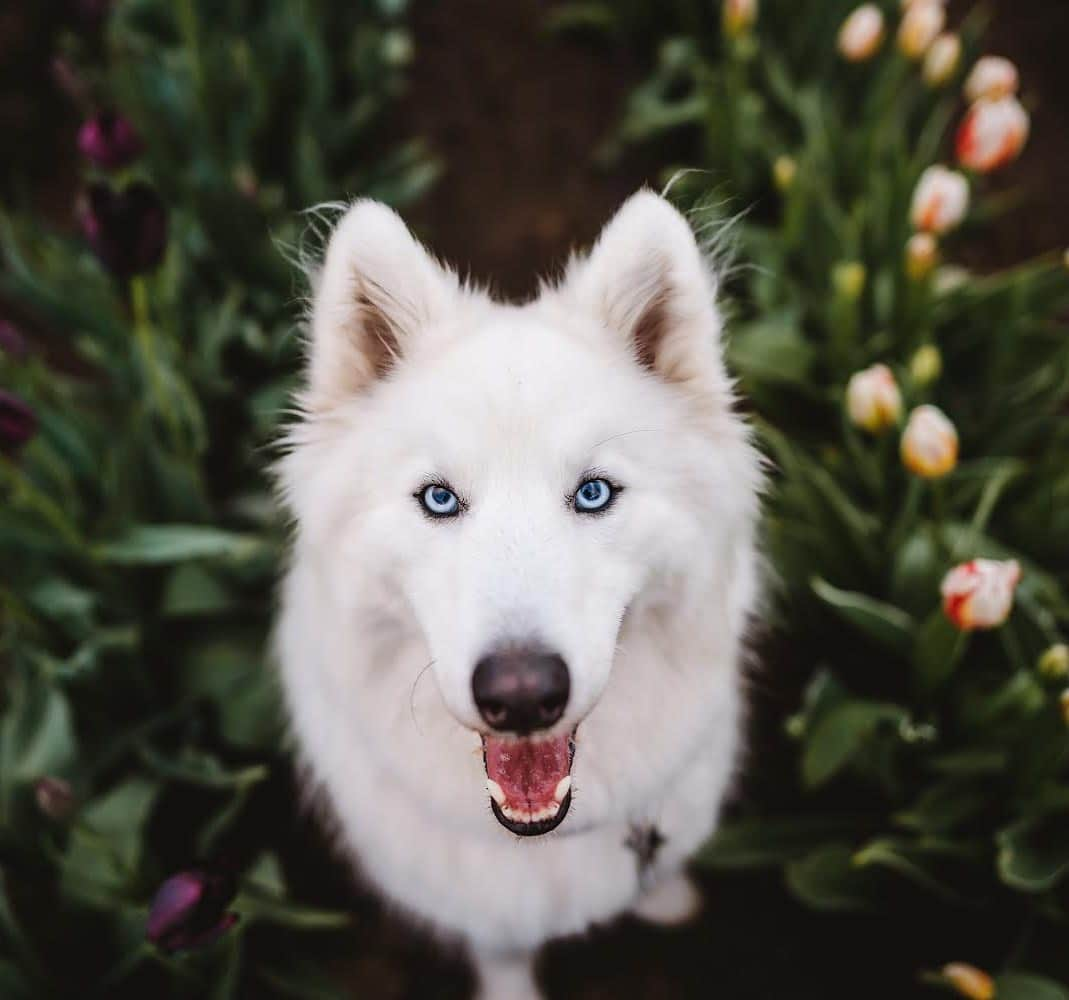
[(510, 635)]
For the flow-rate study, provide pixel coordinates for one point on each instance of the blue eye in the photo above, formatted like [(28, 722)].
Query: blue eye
[(439, 501), (593, 495)]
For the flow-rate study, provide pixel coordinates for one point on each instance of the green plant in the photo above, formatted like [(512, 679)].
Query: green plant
[(139, 733), (928, 749)]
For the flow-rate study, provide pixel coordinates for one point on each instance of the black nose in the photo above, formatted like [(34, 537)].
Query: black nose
[(521, 690)]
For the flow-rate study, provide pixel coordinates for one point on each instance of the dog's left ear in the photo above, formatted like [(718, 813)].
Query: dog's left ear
[(648, 282)]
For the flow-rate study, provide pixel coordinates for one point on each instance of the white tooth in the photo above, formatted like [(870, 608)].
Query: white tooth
[(562, 788), (496, 791)]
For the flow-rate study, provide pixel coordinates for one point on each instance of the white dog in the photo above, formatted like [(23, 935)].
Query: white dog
[(524, 562)]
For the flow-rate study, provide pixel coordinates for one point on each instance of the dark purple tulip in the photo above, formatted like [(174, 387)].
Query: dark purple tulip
[(126, 229), (18, 423), (54, 798), (108, 140), (190, 910), (12, 342)]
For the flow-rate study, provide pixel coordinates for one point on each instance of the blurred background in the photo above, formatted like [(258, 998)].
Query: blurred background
[(902, 824)]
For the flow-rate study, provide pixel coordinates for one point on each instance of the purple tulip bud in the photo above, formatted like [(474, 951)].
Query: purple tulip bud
[(190, 910), (54, 798), (126, 229), (18, 423), (108, 140), (12, 342)]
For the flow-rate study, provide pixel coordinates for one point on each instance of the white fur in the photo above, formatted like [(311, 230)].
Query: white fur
[(385, 611)]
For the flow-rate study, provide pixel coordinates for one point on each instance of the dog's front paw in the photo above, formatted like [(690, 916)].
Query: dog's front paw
[(670, 903)]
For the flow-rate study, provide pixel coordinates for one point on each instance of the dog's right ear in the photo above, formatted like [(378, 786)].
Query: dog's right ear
[(376, 288)]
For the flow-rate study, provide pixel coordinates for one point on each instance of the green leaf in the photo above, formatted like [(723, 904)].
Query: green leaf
[(839, 735), (1026, 986), (160, 544), (36, 732), (888, 625), (1034, 854), (771, 349), (938, 650), (829, 879), (759, 842)]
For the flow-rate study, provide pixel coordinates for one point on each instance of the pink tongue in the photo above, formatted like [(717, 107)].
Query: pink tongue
[(528, 771)]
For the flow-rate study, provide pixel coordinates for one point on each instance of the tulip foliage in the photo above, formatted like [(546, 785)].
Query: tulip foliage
[(147, 351), (916, 414)]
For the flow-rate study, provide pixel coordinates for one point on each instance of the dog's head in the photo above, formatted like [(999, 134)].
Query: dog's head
[(546, 504)]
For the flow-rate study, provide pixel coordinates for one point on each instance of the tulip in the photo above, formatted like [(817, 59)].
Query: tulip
[(969, 981), (739, 16), (922, 254), (18, 424), (940, 200), (979, 594), (1054, 663), (126, 229), (784, 170), (12, 342), (929, 443), (190, 910), (942, 60), (992, 134), (921, 23), (873, 401), (861, 34), (109, 141), (54, 798), (992, 77), (849, 278), (926, 365)]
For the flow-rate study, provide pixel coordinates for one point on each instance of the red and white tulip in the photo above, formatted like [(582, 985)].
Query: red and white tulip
[(979, 594), (940, 201), (992, 134)]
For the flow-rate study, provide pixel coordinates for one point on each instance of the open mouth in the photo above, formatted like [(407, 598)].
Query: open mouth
[(529, 780)]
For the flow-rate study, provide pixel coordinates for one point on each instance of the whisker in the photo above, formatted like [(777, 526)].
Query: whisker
[(412, 695)]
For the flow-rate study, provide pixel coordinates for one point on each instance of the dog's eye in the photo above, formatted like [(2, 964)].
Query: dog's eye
[(593, 495), (439, 501)]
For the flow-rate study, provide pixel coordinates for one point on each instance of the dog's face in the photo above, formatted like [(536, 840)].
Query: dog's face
[(494, 493)]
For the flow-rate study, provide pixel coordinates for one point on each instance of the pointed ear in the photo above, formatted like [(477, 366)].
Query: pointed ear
[(648, 283), (376, 288)]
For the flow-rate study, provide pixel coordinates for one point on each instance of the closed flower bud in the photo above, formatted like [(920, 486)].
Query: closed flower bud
[(926, 365), (921, 23), (979, 594), (54, 798), (126, 229), (873, 401), (922, 254), (739, 16), (1054, 663), (929, 443), (784, 170), (940, 201), (109, 141), (992, 77), (969, 981), (848, 279), (861, 34), (18, 423), (12, 342), (992, 134), (190, 910), (942, 60)]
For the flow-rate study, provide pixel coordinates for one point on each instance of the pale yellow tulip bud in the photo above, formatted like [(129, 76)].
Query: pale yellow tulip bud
[(784, 170), (921, 23), (1054, 663), (929, 443), (942, 60), (739, 16), (926, 365), (848, 279), (969, 981), (873, 401), (922, 255), (861, 34), (992, 77)]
